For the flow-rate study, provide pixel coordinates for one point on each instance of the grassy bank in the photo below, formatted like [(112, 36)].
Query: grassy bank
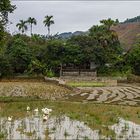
[(86, 84), (19, 99)]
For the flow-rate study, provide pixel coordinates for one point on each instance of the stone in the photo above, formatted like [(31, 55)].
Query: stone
[(83, 94), (93, 95)]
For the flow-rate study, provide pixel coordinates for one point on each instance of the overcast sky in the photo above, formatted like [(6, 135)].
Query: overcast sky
[(70, 16)]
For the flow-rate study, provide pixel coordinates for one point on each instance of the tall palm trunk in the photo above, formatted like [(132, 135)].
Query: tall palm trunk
[(31, 29), (48, 31), (22, 31)]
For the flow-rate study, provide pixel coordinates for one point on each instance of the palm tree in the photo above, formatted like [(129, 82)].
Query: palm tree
[(48, 21), (31, 21), (22, 26), (109, 22)]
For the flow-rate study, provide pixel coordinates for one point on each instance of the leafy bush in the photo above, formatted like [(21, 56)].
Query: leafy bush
[(133, 78), (36, 67), (133, 59), (20, 55), (50, 73)]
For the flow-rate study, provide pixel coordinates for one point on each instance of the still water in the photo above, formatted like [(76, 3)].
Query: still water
[(32, 126)]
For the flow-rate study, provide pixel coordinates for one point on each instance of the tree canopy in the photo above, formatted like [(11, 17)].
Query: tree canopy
[(22, 26), (38, 54), (48, 21), (5, 9)]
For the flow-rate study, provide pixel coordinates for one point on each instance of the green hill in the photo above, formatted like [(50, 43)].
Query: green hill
[(135, 19)]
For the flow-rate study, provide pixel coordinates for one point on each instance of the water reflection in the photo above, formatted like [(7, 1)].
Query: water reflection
[(32, 126), (126, 129), (65, 128)]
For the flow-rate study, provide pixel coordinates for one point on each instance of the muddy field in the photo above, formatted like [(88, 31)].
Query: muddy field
[(126, 95), (38, 90)]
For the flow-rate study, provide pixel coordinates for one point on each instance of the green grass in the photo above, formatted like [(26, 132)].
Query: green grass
[(2, 135), (86, 84), (19, 99)]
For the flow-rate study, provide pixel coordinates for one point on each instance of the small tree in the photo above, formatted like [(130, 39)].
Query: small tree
[(36, 67), (109, 22), (48, 21), (5, 9), (133, 59), (31, 21), (20, 55), (22, 26)]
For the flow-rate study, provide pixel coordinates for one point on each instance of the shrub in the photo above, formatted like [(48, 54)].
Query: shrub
[(50, 73)]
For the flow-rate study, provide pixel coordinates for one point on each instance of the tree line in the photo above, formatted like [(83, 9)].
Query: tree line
[(131, 20), (37, 55), (23, 25)]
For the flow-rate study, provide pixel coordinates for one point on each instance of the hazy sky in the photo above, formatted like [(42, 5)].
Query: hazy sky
[(70, 16)]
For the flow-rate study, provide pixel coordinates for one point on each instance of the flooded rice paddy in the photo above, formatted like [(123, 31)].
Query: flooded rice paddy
[(62, 127), (69, 121), (34, 127)]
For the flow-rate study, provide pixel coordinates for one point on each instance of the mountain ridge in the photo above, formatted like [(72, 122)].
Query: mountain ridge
[(67, 35), (128, 32)]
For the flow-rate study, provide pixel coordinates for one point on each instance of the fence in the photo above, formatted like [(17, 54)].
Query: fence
[(78, 72)]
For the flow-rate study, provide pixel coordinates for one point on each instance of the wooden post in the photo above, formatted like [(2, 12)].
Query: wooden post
[(79, 71), (61, 73)]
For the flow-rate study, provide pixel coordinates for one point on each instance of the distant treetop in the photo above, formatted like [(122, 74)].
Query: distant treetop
[(135, 19)]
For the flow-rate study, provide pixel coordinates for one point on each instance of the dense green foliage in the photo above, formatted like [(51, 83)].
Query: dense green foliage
[(133, 59), (39, 55), (5, 8)]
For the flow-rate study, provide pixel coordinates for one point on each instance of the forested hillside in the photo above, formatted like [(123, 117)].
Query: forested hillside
[(135, 19), (128, 32)]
